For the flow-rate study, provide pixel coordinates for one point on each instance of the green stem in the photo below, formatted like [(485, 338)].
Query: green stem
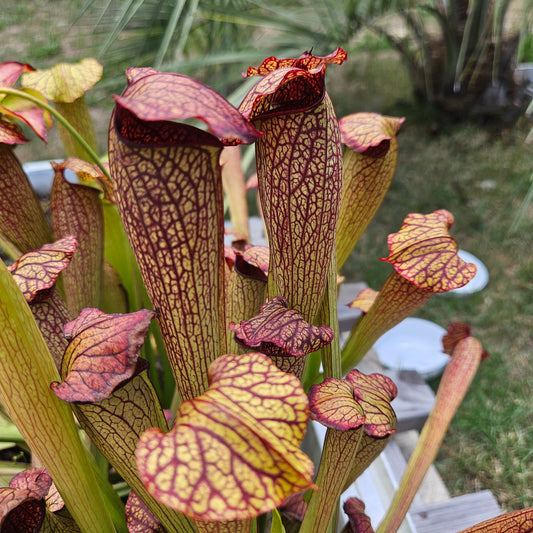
[(60, 118), (331, 355)]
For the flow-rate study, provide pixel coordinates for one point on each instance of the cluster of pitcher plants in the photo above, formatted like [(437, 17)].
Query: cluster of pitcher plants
[(164, 381)]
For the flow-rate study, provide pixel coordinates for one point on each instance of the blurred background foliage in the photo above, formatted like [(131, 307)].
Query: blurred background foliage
[(460, 55)]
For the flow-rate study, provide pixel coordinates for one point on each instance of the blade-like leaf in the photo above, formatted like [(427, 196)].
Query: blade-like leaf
[(26, 370)]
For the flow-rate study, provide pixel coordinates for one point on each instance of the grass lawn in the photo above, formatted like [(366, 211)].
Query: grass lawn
[(478, 175)]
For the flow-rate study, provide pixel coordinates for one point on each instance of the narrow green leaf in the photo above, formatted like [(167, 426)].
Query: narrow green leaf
[(47, 425), (277, 524)]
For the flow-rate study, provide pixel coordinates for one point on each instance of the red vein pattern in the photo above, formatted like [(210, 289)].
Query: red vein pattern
[(357, 400), (77, 210), (22, 505), (397, 299), (281, 333), (299, 169), (224, 526), (299, 172), (246, 289), (102, 352), (368, 167), (115, 424), (424, 253), (139, 519), (89, 173), (352, 409), (36, 272), (170, 201), (234, 451), (306, 61), (155, 96), (169, 194), (22, 219), (514, 522), (425, 259)]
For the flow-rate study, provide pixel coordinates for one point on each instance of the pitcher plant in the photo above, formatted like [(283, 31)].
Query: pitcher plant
[(159, 379)]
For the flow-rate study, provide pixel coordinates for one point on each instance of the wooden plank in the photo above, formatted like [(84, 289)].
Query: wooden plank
[(456, 514)]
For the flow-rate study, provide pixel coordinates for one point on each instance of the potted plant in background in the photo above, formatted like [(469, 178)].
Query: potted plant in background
[(203, 432)]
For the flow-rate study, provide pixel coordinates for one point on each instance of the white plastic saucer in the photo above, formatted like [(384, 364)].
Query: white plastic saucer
[(478, 282), (413, 344)]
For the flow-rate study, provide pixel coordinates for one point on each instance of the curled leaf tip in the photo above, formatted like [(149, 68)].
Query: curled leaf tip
[(278, 330), (424, 253), (65, 82), (369, 133), (364, 300), (36, 272), (359, 521), (102, 353), (307, 61), (154, 96), (10, 72), (89, 173), (288, 84), (357, 400), (253, 263), (229, 456), (15, 107), (456, 332)]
